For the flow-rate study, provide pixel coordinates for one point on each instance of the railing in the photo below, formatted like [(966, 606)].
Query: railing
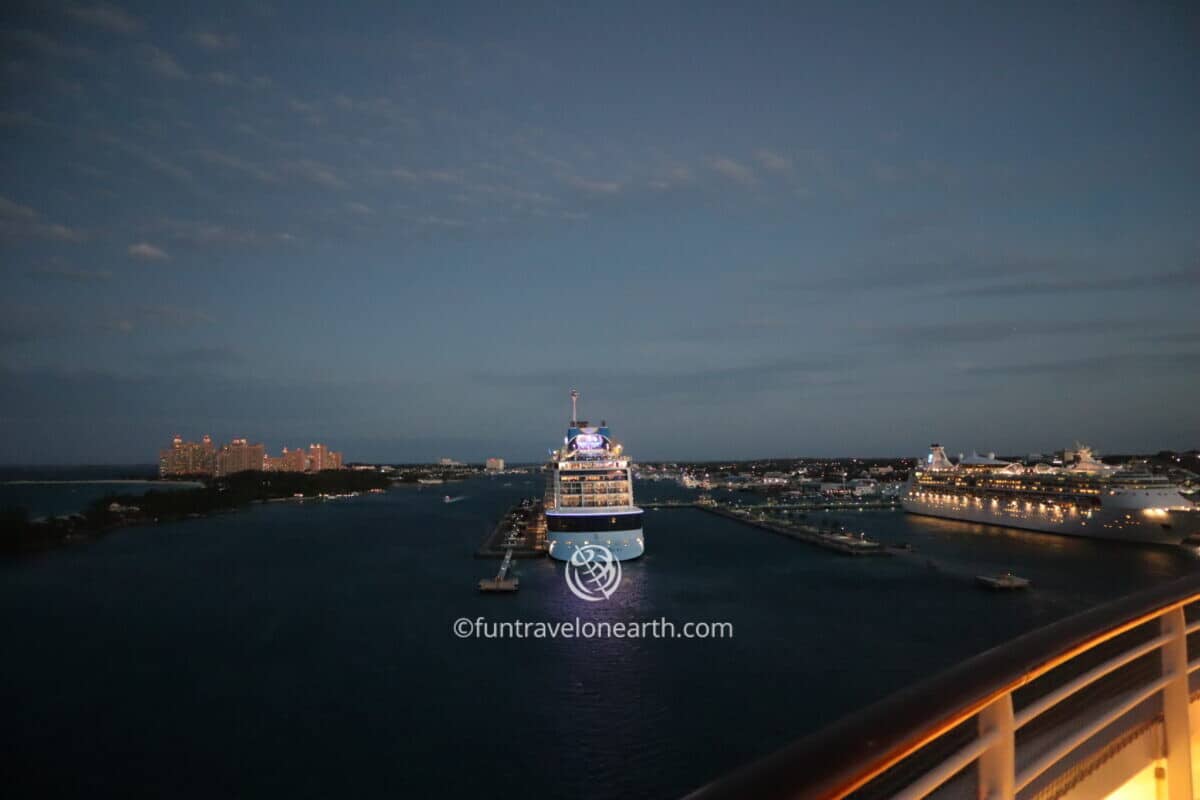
[(1033, 716)]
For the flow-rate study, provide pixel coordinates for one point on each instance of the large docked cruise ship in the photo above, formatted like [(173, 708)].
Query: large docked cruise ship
[(589, 494), (1086, 498)]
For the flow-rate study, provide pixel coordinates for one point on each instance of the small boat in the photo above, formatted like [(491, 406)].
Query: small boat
[(449, 499), (1006, 581)]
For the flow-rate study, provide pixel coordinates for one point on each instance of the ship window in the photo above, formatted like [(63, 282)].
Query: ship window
[(588, 524)]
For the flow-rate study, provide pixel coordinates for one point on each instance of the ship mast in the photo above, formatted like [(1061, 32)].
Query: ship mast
[(574, 411)]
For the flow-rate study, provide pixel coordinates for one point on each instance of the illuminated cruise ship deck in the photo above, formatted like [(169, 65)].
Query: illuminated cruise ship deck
[(589, 494)]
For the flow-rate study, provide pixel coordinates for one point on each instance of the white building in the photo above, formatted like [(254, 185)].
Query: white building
[(494, 465)]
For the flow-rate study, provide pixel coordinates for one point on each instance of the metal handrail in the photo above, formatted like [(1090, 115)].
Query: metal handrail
[(861, 747)]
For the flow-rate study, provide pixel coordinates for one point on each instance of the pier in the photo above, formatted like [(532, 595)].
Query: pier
[(842, 543), (520, 533), (813, 505), (501, 583)]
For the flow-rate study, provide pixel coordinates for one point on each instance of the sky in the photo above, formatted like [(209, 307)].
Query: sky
[(408, 230)]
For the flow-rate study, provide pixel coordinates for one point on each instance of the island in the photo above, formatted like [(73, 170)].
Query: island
[(21, 534)]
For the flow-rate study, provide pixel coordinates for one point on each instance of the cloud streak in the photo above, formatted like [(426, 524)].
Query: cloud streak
[(22, 222), (144, 251), (106, 17), (1172, 279), (733, 170), (162, 63), (210, 40)]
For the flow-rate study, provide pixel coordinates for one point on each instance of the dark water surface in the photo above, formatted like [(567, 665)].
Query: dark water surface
[(50, 491), (306, 650)]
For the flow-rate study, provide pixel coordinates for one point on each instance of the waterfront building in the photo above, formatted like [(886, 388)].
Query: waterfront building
[(863, 487), (294, 460), (494, 465), (240, 456), (187, 458), (321, 458), (201, 458)]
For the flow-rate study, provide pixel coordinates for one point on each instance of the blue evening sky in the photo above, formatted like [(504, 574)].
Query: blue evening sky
[(407, 230)]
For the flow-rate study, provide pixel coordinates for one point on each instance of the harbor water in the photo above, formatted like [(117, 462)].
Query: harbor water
[(306, 649)]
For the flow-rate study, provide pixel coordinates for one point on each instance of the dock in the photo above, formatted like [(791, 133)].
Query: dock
[(520, 533), (501, 583), (813, 505), (842, 543)]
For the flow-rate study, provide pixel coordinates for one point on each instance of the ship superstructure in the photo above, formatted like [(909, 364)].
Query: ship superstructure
[(589, 494), (1085, 498)]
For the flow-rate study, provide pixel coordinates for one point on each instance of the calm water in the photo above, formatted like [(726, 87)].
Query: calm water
[(306, 650), (50, 491)]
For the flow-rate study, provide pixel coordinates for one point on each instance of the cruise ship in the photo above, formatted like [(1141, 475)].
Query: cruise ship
[(1086, 498), (589, 494)]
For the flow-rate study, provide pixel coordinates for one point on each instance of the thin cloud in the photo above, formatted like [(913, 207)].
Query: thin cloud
[(592, 187), (171, 316), (211, 40), (1118, 365), (18, 119), (11, 210), (203, 233), (193, 357), (793, 372), (162, 63), (221, 78), (106, 17), (22, 222), (734, 171), (149, 159), (316, 172), (144, 251), (238, 165), (774, 161), (46, 46), (1174, 279), (984, 331)]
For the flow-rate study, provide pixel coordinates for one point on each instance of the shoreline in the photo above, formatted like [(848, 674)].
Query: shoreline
[(123, 481), (19, 534)]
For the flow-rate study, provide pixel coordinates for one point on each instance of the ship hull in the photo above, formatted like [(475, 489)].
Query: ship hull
[(1165, 527), (626, 544)]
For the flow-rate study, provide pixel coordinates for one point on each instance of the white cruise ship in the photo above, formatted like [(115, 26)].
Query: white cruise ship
[(589, 494), (1087, 498)]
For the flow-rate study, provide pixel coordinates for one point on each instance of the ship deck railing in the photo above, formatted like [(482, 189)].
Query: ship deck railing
[(1102, 704)]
